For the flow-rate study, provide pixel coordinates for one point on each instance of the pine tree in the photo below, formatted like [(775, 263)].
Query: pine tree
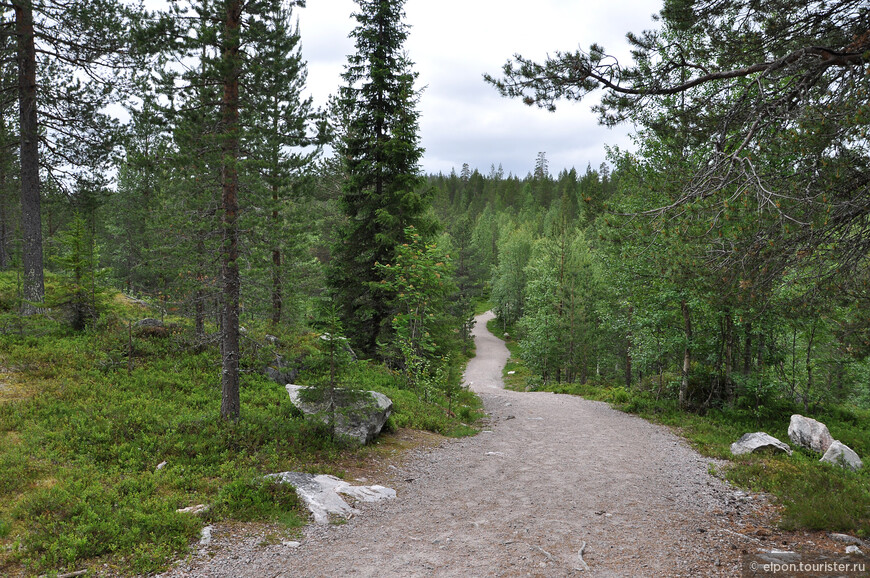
[(8, 141), (381, 152), (280, 138), (771, 103), (59, 45), (240, 116)]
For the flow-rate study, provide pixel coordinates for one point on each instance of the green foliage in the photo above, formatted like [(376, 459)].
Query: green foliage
[(251, 497), (82, 515), (421, 279), (814, 496), (509, 276), (82, 433), (81, 290)]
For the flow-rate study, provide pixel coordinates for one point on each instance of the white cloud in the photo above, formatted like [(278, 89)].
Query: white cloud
[(454, 42)]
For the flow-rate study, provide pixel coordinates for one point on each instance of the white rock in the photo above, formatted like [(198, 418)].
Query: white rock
[(758, 441), (161, 465), (853, 550), (809, 433), (842, 455), (197, 509), (205, 536), (292, 544), (846, 538), (321, 493)]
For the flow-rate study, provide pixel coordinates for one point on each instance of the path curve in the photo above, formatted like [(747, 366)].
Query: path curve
[(550, 476)]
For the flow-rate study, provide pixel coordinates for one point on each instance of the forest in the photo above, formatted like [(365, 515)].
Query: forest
[(717, 271)]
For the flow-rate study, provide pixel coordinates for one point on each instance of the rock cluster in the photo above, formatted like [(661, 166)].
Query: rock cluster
[(804, 432)]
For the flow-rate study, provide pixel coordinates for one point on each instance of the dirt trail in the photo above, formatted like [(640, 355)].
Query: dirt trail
[(550, 474)]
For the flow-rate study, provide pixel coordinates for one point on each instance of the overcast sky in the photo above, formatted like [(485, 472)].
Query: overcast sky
[(453, 42)]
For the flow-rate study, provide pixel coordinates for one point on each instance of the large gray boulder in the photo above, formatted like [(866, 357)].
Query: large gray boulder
[(321, 493), (280, 371), (842, 455), (751, 443), (809, 433), (358, 414)]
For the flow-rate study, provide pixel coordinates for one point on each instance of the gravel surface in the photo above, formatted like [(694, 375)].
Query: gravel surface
[(551, 476)]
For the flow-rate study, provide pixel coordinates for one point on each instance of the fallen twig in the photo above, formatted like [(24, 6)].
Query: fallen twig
[(756, 540), (585, 567), (73, 574), (547, 554)]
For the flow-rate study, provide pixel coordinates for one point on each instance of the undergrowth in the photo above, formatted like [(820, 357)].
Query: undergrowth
[(87, 417)]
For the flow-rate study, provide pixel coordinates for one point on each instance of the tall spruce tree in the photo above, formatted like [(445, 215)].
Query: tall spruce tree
[(381, 151)]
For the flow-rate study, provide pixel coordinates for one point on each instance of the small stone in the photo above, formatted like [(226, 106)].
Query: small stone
[(853, 550), (161, 465), (845, 538), (197, 509), (292, 544), (205, 536)]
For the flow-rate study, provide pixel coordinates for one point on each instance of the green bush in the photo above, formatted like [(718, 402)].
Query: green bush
[(252, 497)]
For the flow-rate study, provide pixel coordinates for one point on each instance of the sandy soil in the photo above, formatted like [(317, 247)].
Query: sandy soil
[(551, 476)]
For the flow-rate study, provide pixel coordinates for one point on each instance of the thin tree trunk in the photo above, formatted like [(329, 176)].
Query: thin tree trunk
[(4, 216), (31, 211), (277, 289), (809, 363), (4, 231), (687, 354), (628, 346), (230, 404), (761, 353), (747, 350), (729, 357), (200, 294)]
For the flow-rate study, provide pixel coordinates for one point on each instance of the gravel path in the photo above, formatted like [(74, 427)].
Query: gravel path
[(550, 476)]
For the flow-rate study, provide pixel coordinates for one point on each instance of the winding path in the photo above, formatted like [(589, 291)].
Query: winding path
[(553, 475)]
